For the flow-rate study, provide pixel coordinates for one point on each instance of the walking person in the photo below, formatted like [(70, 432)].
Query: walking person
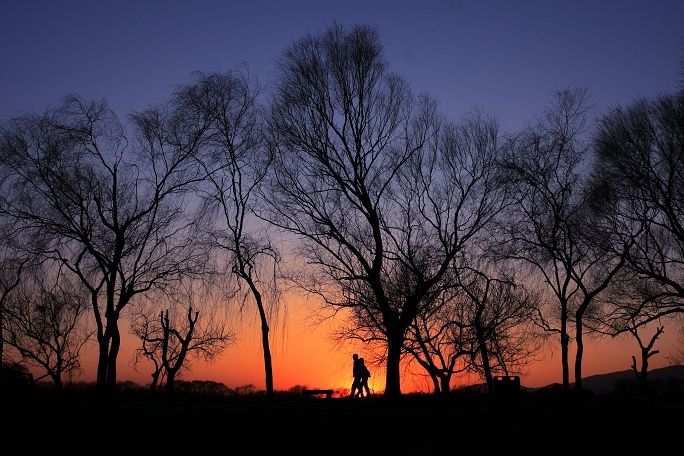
[(356, 373), (364, 374)]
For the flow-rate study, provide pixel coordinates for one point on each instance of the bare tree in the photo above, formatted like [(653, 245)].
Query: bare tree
[(145, 325), (373, 182), (236, 162), (336, 119), (439, 345), (110, 210), (552, 227), (482, 324), (641, 173), (646, 353), (497, 312), (171, 332), (45, 328), (168, 339)]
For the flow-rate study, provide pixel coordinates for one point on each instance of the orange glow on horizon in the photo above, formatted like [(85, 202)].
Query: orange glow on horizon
[(304, 355)]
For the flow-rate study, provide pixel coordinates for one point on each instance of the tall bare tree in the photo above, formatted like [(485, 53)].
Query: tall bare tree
[(640, 167), (110, 209), (336, 119), (373, 183), (236, 162), (44, 326), (552, 227)]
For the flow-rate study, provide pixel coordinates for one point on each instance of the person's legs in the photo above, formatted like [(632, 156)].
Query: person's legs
[(359, 387), (356, 388)]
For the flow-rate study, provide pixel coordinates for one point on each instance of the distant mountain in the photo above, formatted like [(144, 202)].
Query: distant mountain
[(610, 382), (664, 379)]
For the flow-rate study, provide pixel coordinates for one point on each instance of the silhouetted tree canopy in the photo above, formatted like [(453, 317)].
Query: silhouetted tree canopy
[(381, 191), (431, 240), (109, 207)]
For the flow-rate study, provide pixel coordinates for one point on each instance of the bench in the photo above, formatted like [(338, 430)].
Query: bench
[(315, 392), (506, 386)]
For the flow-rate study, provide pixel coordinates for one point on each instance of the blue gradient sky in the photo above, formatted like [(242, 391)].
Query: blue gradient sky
[(505, 57)]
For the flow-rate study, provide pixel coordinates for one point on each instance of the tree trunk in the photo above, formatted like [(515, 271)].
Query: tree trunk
[(565, 342), (484, 353), (156, 373), (446, 384), (580, 353), (393, 378), (113, 323), (155, 380), (265, 344), (643, 378), (435, 383), (484, 356), (103, 345), (170, 383), (57, 381)]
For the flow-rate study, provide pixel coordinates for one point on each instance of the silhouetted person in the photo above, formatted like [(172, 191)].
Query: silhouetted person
[(364, 373), (356, 373), (361, 374)]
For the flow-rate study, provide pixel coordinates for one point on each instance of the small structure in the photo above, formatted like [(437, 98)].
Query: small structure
[(506, 386), (317, 392)]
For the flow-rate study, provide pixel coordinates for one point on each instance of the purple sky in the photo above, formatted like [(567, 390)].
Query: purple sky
[(505, 57)]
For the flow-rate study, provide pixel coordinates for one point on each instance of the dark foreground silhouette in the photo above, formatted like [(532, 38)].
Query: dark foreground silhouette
[(532, 423)]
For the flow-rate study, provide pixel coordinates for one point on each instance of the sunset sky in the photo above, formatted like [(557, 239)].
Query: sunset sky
[(503, 57)]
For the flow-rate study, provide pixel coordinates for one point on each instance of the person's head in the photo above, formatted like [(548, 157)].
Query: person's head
[(355, 356), (361, 361)]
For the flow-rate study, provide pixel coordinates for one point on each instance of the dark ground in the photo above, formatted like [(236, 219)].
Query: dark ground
[(138, 423)]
